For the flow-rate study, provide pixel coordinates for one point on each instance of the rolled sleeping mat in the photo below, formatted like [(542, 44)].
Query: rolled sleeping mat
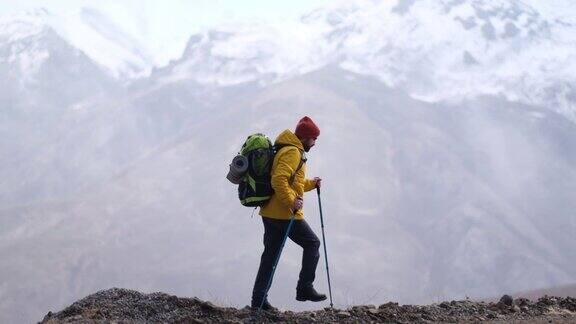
[(238, 168)]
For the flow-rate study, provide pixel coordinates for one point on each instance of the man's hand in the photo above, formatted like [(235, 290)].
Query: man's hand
[(318, 182), (298, 203)]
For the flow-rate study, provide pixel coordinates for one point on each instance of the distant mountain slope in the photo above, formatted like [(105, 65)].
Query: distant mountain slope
[(426, 202)]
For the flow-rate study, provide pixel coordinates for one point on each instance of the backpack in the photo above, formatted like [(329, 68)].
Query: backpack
[(255, 187)]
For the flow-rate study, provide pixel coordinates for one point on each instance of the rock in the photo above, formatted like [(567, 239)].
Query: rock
[(343, 314), (522, 302), (388, 305), (414, 318), (428, 317), (208, 306), (195, 321), (47, 316), (569, 303), (373, 311), (506, 300)]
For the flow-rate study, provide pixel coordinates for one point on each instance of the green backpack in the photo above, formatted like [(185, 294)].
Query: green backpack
[(255, 188)]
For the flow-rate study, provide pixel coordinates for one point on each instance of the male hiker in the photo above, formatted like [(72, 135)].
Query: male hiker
[(289, 183)]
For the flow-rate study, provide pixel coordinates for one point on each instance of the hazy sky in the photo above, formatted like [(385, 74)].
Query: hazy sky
[(197, 12)]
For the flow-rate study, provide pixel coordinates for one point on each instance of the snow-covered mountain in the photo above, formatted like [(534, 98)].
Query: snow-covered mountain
[(43, 78), (447, 151), (451, 50), (434, 50), (40, 69), (122, 55)]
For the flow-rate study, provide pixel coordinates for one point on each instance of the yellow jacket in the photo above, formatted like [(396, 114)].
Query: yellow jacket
[(285, 164)]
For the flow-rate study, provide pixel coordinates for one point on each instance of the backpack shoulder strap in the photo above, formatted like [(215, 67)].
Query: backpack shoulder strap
[(302, 159)]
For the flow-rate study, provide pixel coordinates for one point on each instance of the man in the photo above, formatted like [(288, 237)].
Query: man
[(289, 183)]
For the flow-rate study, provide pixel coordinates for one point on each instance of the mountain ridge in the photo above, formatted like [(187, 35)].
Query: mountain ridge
[(125, 305)]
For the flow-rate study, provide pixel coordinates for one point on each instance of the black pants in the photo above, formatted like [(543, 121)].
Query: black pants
[(301, 234)]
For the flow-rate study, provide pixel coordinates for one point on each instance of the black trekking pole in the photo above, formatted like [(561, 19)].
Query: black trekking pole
[(325, 253)]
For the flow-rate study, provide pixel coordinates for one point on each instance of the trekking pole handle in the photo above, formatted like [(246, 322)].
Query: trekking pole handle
[(318, 190)]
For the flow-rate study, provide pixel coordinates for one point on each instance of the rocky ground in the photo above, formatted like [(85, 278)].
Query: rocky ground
[(129, 306)]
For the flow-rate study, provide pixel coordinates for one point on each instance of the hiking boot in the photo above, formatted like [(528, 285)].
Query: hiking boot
[(309, 293), (265, 306)]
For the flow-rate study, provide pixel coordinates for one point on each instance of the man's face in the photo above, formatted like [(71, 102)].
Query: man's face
[(308, 143)]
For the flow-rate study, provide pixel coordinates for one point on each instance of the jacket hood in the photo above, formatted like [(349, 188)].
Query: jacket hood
[(287, 137)]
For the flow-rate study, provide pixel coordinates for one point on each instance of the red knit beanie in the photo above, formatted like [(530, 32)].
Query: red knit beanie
[(307, 129)]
